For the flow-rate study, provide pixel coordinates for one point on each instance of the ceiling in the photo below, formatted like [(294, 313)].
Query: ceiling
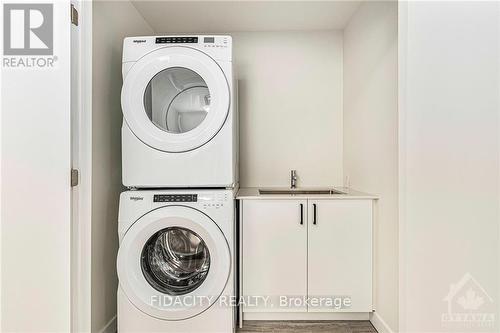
[(234, 16)]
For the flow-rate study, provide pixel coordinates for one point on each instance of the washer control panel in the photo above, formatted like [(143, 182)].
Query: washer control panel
[(175, 198), (201, 200), (214, 201)]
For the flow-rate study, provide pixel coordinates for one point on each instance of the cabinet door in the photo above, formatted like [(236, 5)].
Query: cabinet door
[(340, 255), (274, 254)]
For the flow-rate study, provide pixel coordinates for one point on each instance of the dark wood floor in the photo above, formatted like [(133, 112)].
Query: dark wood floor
[(307, 327)]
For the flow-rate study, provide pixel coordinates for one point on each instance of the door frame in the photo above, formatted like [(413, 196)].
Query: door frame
[(402, 100), (81, 223)]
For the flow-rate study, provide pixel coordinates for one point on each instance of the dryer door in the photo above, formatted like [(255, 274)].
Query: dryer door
[(173, 263), (175, 99)]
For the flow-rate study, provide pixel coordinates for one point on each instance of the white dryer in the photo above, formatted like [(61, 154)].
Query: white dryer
[(175, 261), (179, 112)]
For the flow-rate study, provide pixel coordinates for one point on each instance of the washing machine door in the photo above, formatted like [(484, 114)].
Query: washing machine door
[(173, 263), (175, 99)]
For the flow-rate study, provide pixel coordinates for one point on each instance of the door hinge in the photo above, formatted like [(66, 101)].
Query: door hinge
[(74, 177), (74, 15)]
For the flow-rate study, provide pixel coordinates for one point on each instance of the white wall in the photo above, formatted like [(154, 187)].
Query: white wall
[(290, 98), (35, 191), (371, 137), (112, 21), (449, 159)]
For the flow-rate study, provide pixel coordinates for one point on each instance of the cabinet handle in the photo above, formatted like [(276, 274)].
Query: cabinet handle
[(301, 214), (314, 214)]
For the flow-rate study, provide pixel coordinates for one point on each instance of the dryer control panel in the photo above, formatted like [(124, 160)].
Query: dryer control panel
[(178, 39), (204, 41), (219, 47)]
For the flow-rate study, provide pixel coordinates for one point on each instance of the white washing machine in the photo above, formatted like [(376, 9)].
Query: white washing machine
[(175, 261), (179, 112)]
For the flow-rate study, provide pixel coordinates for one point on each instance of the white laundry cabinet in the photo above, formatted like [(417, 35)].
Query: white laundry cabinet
[(306, 255)]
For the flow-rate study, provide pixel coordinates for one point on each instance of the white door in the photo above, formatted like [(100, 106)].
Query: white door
[(340, 254), (274, 254), (175, 99), (35, 182), (173, 263)]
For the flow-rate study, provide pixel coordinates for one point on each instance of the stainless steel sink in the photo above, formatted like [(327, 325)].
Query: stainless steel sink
[(298, 191)]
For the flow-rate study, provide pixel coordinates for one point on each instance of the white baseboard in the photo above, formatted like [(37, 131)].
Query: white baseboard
[(379, 323), (305, 316), (110, 327)]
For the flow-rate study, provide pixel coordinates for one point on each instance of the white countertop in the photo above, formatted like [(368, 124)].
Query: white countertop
[(245, 193)]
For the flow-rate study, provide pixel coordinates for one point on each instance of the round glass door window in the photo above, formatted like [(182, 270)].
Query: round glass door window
[(175, 261), (177, 100)]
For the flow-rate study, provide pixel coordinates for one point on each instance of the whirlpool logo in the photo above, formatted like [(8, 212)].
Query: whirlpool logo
[(28, 39)]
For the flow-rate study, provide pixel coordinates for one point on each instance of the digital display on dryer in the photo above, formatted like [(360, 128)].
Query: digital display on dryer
[(175, 198)]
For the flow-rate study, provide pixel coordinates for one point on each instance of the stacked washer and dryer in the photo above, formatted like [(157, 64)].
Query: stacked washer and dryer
[(180, 162)]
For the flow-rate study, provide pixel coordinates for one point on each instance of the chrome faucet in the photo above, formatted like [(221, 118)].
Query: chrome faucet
[(293, 179)]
